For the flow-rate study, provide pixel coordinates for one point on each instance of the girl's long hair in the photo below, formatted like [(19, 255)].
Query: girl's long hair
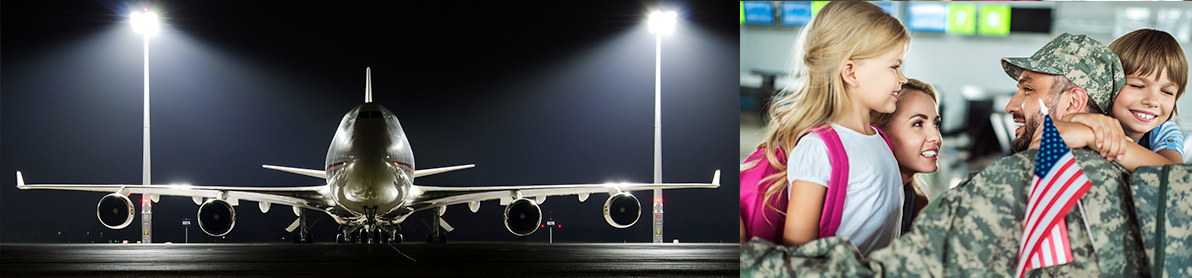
[(840, 31)]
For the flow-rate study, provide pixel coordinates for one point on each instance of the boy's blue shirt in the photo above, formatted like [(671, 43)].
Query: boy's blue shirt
[(1166, 136)]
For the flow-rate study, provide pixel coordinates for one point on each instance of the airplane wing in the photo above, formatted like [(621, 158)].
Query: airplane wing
[(432, 171), (437, 196), (304, 197), (323, 174)]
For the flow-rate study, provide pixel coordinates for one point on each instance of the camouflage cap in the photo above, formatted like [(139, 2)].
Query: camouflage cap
[(1085, 61)]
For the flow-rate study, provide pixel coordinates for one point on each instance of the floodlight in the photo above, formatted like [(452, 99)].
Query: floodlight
[(662, 22), (145, 22)]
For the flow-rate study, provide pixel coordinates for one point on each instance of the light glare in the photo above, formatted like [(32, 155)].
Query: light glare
[(145, 23), (662, 22)]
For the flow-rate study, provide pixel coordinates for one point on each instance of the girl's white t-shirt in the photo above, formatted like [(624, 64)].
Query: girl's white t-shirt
[(872, 214)]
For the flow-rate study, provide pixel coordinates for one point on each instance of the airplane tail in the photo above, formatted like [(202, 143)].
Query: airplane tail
[(367, 85)]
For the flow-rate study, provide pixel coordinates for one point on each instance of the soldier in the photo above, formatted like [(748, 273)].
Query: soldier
[(975, 229)]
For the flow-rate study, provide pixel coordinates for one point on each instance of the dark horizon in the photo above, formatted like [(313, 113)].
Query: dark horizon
[(530, 92)]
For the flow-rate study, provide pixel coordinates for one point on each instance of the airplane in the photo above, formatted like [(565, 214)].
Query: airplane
[(369, 189)]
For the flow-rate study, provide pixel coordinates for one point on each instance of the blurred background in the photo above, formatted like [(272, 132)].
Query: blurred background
[(955, 47)]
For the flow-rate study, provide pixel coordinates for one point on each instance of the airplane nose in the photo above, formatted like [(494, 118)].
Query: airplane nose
[(370, 184)]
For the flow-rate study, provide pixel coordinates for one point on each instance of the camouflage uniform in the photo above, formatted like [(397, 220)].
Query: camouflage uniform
[(1161, 195), (974, 230)]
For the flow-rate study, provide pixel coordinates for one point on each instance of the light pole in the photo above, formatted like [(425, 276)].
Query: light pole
[(145, 23), (186, 225), (660, 23), (550, 224)]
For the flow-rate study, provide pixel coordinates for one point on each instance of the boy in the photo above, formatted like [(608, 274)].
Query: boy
[(1156, 76)]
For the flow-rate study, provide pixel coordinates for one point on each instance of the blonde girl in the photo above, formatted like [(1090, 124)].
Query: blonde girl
[(850, 65)]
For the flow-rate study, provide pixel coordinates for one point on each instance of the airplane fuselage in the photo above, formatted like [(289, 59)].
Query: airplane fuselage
[(369, 164)]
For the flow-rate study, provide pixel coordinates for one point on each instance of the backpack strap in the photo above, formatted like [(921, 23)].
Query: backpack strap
[(830, 218), (883, 133), (837, 184)]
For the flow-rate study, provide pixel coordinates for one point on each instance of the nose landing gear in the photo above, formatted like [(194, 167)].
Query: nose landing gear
[(370, 234)]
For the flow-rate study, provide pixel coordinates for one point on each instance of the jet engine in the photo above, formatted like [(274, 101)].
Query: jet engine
[(622, 210), (115, 211), (216, 217), (522, 217)]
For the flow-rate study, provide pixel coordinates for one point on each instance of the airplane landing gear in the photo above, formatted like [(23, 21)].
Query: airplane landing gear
[(395, 234), (366, 236), (437, 234), (300, 239), (302, 234), (347, 234), (433, 238)]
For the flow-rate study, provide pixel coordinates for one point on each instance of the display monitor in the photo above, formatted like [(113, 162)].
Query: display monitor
[(994, 20), (758, 12), (1035, 20), (796, 13), (927, 17), (962, 19)]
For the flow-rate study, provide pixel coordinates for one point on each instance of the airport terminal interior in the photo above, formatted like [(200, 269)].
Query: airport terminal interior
[(963, 65)]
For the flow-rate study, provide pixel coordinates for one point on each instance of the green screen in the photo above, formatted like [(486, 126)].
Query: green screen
[(962, 19), (994, 20)]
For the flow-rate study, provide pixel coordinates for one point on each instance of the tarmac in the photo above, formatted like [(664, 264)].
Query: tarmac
[(372, 260)]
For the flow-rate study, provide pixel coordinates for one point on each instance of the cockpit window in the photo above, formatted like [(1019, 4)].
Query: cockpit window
[(370, 115)]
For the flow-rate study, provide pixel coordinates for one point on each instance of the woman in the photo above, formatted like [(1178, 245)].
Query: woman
[(914, 131)]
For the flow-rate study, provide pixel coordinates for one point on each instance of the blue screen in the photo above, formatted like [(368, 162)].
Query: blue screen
[(796, 13), (759, 12), (927, 17)]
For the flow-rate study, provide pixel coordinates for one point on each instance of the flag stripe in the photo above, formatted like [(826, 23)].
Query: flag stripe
[(1050, 214), (1060, 211), (1050, 211), (1046, 195), (1043, 216), (1056, 185), (1052, 175), (1046, 252), (1067, 249), (1057, 245)]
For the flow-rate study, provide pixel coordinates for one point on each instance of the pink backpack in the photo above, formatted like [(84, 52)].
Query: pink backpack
[(761, 221)]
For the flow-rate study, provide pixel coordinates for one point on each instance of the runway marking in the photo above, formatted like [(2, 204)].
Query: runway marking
[(399, 252)]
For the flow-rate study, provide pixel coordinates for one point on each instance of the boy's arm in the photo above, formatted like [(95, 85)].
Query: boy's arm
[(1172, 155), (1137, 156), (1130, 154), (1107, 133), (1078, 135)]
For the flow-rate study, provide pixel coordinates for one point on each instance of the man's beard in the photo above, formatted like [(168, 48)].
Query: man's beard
[(1021, 143)]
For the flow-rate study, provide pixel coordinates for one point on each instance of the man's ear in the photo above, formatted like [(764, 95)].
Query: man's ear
[(848, 73), (1079, 100)]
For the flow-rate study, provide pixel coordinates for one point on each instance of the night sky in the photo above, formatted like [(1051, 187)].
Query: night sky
[(531, 92)]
